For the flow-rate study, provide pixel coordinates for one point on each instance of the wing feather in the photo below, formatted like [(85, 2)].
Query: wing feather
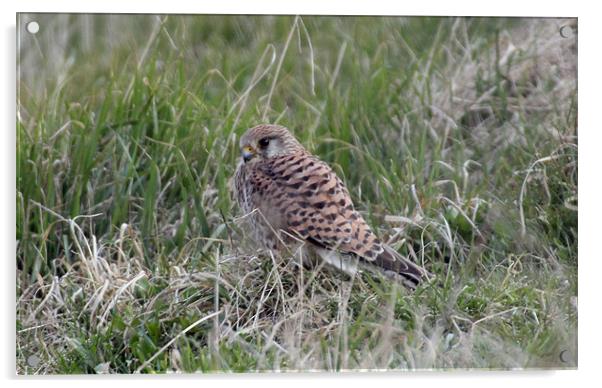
[(317, 205)]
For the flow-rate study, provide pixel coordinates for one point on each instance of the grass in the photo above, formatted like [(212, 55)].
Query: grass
[(456, 137)]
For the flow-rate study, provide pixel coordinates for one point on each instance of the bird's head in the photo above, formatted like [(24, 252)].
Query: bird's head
[(266, 141)]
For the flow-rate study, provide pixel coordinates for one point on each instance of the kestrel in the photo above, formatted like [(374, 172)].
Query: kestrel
[(291, 195)]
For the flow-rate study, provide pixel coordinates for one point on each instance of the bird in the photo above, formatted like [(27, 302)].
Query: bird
[(291, 196)]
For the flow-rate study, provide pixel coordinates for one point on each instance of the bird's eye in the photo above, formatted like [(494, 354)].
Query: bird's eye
[(263, 143)]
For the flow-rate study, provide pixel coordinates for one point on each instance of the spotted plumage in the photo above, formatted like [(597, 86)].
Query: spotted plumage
[(290, 195)]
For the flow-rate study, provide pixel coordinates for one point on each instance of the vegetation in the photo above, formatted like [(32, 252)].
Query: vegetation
[(456, 137)]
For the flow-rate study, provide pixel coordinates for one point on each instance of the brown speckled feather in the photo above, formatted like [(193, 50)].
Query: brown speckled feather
[(299, 194)]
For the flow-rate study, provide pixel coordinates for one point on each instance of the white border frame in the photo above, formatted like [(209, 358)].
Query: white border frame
[(589, 143)]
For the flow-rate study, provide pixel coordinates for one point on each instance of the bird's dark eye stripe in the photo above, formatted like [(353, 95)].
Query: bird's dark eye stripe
[(264, 142)]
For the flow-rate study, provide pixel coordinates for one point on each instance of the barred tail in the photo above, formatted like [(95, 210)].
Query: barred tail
[(391, 261)]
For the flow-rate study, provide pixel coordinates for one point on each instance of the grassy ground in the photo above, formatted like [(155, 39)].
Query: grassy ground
[(456, 137)]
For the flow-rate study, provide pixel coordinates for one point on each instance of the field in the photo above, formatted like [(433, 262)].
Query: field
[(457, 138)]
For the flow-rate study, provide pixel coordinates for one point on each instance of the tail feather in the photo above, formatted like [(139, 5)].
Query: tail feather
[(391, 261)]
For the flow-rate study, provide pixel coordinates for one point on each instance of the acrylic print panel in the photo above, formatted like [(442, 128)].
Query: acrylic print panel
[(139, 251)]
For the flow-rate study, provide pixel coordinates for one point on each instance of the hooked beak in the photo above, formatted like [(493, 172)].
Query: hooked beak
[(247, 153)]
